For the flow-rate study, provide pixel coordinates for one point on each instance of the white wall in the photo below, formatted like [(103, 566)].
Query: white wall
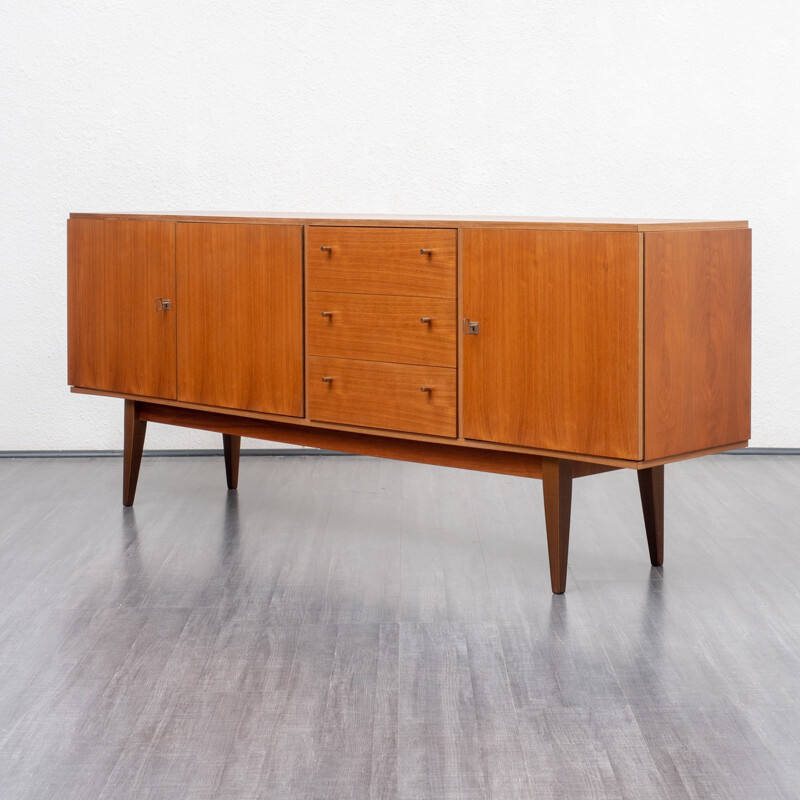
[(683, 109)]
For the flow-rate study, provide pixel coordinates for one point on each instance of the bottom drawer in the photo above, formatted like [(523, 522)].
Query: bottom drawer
[(376, 394)]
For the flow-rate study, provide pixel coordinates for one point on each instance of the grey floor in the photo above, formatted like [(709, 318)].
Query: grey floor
[(355, 628)]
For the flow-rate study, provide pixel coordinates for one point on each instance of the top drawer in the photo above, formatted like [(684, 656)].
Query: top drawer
[(382, 261)]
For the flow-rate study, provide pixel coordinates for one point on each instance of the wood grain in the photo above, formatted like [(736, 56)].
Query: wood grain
[(240, 316), (135, 429), (651, 489), (556, 362), (160, 652), (427, 221), (376, 394), (382, 328), (231, 448), (118, 341), (697, 340), (382, 261), (445, 455), (303, 422), (557, 490)]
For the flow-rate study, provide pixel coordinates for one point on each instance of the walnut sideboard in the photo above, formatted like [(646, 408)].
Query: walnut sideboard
[(547, 348)]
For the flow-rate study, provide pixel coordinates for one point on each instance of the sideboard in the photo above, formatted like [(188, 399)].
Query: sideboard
[(546, 348)]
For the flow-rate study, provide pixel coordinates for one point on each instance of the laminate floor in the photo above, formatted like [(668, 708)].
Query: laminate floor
[(357, 628)]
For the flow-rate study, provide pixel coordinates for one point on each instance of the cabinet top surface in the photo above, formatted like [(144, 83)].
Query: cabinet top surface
[(552, 223)]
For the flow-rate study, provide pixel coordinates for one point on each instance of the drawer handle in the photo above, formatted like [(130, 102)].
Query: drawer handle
[(326, 248), (424, 252), (327, 313), (426, 320), (327, 379), (426, 388)]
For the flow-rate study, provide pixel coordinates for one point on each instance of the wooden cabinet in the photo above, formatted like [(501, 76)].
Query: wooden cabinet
[(553, 349)]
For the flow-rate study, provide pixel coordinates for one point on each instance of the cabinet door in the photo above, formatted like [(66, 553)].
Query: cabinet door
[(121, 339), (556, 363), (240, 316)]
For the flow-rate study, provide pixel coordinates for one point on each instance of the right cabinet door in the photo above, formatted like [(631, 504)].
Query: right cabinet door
[(556, 363)]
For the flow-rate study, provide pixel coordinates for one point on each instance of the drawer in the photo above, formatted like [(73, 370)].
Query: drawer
[(380, 327), (374, 394), (382, 261)]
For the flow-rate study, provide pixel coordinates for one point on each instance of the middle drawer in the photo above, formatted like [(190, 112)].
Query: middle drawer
[(405, 330)]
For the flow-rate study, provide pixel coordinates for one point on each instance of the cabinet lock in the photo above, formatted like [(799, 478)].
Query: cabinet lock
[(470, 327), (162, 304)]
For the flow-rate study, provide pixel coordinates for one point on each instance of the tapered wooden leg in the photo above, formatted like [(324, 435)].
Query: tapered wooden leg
[(231, 445), (651, 488), (557, 484), (135, 430)]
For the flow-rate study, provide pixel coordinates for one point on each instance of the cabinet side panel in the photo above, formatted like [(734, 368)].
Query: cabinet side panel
[(697, 340), (240, 316), (555, 364)]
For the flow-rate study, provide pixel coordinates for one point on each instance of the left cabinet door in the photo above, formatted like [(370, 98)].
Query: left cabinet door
[(121, 332), (240, 316)]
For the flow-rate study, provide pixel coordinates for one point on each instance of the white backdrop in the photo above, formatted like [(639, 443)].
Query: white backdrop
[(683, 109)]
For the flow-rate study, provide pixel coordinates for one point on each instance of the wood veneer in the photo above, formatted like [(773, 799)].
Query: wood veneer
[(305, 422), (600, 344), (380, 327), (375, 394), (119, 339), (441, 453), (697, 344), (558, 342), (382, 261), (240, 316), (429, 221)]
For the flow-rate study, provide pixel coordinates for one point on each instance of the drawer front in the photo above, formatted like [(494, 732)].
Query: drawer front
[(379, 327), (382, 261), (374, 394)]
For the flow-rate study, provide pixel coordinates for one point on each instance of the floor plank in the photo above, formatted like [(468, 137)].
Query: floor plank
[(351, 627)]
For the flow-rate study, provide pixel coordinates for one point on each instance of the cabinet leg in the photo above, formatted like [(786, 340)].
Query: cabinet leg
[(231, 445), (651, 488), (135, 430), (557, 485)]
